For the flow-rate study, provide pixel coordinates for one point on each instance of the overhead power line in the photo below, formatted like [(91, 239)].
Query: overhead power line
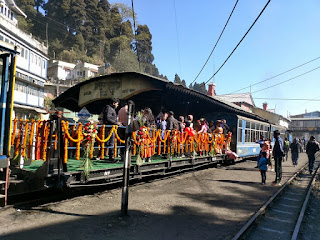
[(216, 42), (286, 80), (175, 19), (240, 41), (291, 99), (276, 75)]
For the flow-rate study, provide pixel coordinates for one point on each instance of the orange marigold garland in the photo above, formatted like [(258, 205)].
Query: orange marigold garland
[(80, 138), (45, 143), (15, 121), (17, 147), (25, 138), (38, 139), (31, 137), (102, 143)]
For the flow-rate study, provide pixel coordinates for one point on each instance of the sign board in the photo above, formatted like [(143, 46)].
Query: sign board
[(122, 88), (84, 114)]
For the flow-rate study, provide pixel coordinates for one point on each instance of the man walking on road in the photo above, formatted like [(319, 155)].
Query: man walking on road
[(311, 148), (278, 154), (286, 148)]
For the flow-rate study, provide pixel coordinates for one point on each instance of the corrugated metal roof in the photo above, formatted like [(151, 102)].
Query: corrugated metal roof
[(69, 98), (237, 97)]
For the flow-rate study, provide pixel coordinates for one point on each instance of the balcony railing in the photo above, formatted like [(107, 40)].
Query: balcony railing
[(305, 129)]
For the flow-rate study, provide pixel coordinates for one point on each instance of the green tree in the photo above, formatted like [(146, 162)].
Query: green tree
[(57, 18), (115, 21), (200, 87), (79, 42), (177, 79), (77, 16), (125, 61), (38, 4), (143, 45), (125, 11), (68, 56), (27, 6), (90, 30)]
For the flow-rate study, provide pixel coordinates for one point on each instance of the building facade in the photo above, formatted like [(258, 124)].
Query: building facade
[(63, 75), (245, 101), (306, 125), (31, 69)]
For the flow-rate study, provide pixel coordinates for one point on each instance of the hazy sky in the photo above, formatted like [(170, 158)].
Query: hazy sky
[(285, 36)]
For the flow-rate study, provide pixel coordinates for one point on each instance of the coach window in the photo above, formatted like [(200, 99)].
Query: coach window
[(247, 132), (22, 52), (253, 132), (311, 123), (240, 130)]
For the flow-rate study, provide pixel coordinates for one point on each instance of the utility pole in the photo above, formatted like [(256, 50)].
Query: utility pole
[(47, 35), (135, 34), (127, 160)]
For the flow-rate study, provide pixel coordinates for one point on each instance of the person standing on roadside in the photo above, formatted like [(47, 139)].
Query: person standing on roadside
[(263, 167), (286, 148), (295, 147), (278, 154), (311, 148)]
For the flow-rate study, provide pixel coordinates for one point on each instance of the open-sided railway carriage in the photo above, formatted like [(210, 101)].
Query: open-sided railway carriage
[(57, 146), (156, 93)]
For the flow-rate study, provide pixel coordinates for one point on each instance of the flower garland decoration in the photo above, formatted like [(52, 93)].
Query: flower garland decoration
[(90, 134), (46, 131), (15, 121), (25, 138), (38, 139), (139, 138), (17, 147), (33, 122), (102, 132), (77, 141)]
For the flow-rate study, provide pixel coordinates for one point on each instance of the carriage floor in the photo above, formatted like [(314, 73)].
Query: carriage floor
[(74, 165)]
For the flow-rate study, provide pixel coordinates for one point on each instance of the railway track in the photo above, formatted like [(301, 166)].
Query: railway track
[(281, 216), (28, 199)]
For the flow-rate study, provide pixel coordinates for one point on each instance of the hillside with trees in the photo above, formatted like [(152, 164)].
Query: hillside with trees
[(92, 31)]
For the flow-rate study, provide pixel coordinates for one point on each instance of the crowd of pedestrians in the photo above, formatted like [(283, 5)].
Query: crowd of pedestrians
[(280, 153)]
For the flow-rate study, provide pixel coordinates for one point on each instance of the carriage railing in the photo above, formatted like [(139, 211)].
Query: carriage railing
[(31, 141), (149, 142)]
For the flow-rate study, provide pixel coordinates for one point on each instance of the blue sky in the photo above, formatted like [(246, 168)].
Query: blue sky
[(285, 36)]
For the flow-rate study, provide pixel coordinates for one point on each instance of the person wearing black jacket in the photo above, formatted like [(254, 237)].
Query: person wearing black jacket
[(278, 154), (110, 118), (172, 123), (311, 148)]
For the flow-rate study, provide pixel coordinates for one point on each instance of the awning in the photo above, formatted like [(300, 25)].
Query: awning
[(36, 109)]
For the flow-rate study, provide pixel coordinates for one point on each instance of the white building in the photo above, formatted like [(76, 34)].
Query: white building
[(31, 70), (85, 70), (63, 75)]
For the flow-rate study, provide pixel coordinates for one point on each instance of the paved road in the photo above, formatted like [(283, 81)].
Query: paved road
[(207, 204)]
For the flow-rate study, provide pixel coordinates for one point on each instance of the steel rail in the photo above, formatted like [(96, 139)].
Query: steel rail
[(266, 205), (305, 204)]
